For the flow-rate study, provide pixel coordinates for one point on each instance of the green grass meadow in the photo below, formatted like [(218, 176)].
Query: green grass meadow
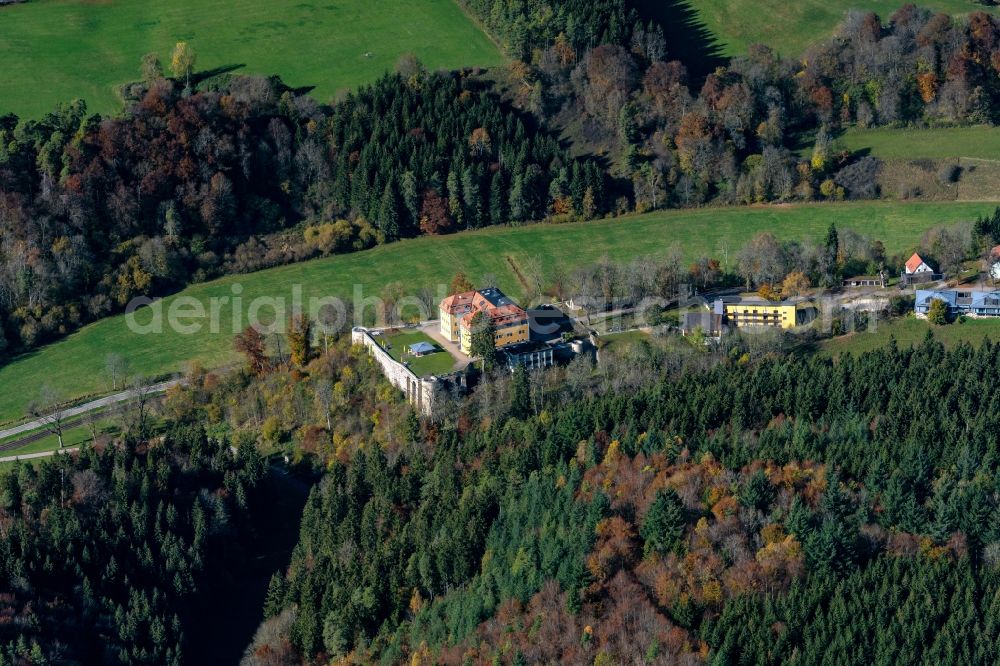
[(76, 363), (980, 142), (909, 331), (623, 339), (439, 362), (790, 27), (57, 50)]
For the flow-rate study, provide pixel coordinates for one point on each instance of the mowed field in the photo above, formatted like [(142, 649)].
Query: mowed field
[(790, 27), (910, 331), (56, 50), (980, 142), (76, 364)]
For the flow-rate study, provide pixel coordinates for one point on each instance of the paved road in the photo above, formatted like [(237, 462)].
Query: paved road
[(433, 330), (40, 454), (106, 401), (14, 443)]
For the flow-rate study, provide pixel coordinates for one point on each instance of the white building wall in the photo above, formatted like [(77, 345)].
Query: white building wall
[(419, 391)]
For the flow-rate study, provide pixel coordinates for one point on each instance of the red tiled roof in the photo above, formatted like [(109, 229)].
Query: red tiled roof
[(913, 263), (995, 252), (500, 315), (468, 303), (507, 314), (459, 303)]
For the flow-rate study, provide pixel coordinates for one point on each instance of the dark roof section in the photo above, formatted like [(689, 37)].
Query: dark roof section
[(496, 297)]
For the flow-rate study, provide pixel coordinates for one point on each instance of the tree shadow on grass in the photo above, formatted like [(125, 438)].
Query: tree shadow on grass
[(688, 38), (802, 141), (223, 70), (198, 77)]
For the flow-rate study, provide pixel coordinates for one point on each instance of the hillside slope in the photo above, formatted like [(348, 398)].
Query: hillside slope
[(86, 49), (76, 363), (736, 24)]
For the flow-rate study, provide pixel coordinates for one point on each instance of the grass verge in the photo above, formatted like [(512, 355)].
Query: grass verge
[(909, 331), (981, 142)]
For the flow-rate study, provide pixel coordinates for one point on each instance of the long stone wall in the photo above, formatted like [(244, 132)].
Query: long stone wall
[(418, 390)]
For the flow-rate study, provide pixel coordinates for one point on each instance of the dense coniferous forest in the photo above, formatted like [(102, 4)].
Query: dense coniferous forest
[(433, 157), (732, 504), (701, 508), (659, 506), (102, 554), (522, 27), (97, 211)]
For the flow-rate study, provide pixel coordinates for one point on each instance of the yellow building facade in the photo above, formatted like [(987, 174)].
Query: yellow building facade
[(507, 333), (762, 313), (451, 311), (450, 325), (509, 320), (513, 333)]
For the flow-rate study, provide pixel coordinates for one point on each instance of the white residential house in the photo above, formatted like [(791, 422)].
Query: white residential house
[(916, 265), (917, 271)]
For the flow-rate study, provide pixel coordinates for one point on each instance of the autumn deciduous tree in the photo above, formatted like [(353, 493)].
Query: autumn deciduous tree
[(768, 292), (182, 62), (151, 68), (821, 151), (616, 548), (563, 50), (251, 344), (705, 271), (300, 339), (693, 142), (479, 141), (49, 409), (434, 216), (937, 313), (927, 85), (949, 246), (589, 207), (666, 86), (116, 366), (135, 414), (761, 260), (795, 283), (460, 283), (611, 76)]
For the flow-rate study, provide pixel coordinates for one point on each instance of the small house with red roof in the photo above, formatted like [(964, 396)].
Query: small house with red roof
[(916, 264), (917, 271)]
